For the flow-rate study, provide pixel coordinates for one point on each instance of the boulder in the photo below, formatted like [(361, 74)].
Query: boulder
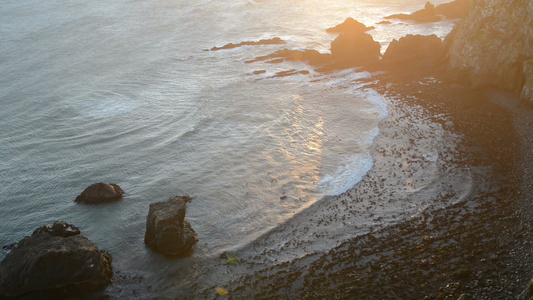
[(353, 50), (349, 26), (100, 193), (527, 90), (414, 51), (166, 229), (54, 261)]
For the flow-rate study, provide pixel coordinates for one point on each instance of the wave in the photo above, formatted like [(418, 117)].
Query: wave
[(347, 175)]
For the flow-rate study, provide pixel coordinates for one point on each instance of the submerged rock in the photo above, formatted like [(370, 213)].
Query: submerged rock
[(55, 260), (166, 229), (100, 193), (414, 51), (311, 57)]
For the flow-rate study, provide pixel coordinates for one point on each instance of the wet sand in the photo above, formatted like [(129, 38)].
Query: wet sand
[(467, 244)]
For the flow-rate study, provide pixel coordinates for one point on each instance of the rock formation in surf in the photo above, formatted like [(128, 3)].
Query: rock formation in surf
[(311, 57), (493, 45), (273, 41), (431, 13), (414, 51), (167, 231), (100, 193), (349, 26), (355, 49), (54, 261)]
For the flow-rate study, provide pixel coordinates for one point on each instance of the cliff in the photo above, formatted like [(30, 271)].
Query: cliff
[(493, 44)]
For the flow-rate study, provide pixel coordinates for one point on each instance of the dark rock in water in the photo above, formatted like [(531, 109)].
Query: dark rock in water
[(100, 193), (54, 261), (355, 50), (311, 57), (426, 15), (166, 229), (452, 10), (273, 41), (414, 51), (349, 26), (290, 73)]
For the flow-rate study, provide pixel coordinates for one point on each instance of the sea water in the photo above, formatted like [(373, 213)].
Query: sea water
[(123, 92)]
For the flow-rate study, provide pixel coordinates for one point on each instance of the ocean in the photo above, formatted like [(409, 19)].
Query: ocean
[(124, 92)]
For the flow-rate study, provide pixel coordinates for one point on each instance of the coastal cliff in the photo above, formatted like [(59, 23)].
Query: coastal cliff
[(493, 44)]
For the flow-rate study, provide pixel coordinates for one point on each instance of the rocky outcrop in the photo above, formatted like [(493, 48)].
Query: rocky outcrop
[(166, 229), (55, 260), (426, 15), (349, 26), (100, 193), (492, 44), (452, 10), (414, 51), (355, 49)]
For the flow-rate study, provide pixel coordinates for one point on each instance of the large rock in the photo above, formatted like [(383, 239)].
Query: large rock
[(491, 44), (414, 51), (55, 260), (357, 49), (100, 193), (166, 229)]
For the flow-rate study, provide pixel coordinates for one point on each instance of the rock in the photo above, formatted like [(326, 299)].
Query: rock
[(352, 50), (311, 57), (453, 10), (491, 44), (273, 41), (55, 260), (100, 193), (414, 51), (349, 26), (166, 229), (426, 15), (527, 90)]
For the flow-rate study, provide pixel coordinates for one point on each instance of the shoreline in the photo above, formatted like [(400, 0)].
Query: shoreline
[(477, 248)]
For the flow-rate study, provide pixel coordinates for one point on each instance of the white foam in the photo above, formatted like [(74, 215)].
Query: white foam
[(347, 175), (379, 105)]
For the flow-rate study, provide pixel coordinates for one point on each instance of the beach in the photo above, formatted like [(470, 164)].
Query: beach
[(305, 181), (476, 248)]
